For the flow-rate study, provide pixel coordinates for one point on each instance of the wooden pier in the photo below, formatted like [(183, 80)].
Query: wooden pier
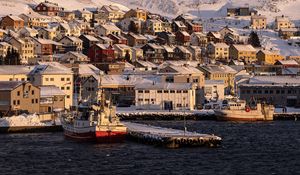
[(170, 138)]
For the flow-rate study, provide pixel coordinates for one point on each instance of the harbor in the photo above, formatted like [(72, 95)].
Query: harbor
[(170, 138)]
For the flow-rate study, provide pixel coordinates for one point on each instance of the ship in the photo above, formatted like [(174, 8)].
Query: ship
[(94, 123), (237, 110)]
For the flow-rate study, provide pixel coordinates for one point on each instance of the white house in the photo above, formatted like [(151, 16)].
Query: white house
[(165, 96)]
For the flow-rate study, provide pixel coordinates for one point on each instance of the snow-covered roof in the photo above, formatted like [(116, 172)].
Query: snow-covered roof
[(212, 82), (288, 62), (15, 18), (146, 64), (275, 80), (90, 37), (138, 36), (88, 69), (51, 68), (9, 85), (124, 80), (15, 69), (183, 49), (50, 91), (246, 47), (179, 24), (219, 69), (163, 86), (110, 27), (169, 48)]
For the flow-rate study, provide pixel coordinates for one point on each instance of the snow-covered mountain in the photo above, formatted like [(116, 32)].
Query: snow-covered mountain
[(213, 8), (170, 8)]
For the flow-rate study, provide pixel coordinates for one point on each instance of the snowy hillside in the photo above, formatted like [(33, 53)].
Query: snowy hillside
[(17, 7), (213, 8)]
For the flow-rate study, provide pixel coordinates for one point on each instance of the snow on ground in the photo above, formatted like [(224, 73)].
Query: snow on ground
[(17, 7), (159, 131), (133, 111), (25, 120)]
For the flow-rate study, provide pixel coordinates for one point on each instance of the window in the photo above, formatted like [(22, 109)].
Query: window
[(18, 102), (62, 79), (36, 101), (32, 101), (68, 79), (18, 93), (159, 91), (166, 91), (32, 92), (62, 88), (68, 87), (282, 91), (172, 91), (140, 91), (147, 91), (140, 99), (14, 102), (10, 79), (178, 91), (47, 79), (179, 105), (51, 79), (68, 96), (185, 91)]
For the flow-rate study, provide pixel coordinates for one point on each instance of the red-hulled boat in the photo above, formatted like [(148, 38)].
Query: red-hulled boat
[(97, 123)]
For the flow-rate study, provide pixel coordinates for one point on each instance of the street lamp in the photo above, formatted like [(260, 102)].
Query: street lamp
[(184, 120)]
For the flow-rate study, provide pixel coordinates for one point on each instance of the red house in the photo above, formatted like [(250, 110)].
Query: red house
[(194, 27), (100, 53), (118, 39), (48, 8), (183, 38)]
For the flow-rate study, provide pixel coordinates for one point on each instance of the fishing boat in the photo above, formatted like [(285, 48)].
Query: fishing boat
[(238, 111), (94, 123)]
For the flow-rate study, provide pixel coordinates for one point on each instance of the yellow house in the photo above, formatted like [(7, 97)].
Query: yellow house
[(25, 48), (15, 73), (241, 52), (220, 72), (282, 22), (154, 25), (258, 22), (47, 33), (4, 47), (218, 51), (268, 56), (54, 73), (138, 13), (115, 14)]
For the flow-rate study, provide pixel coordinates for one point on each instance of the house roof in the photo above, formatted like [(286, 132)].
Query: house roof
[(183, 49), (88, 69), (288, 62), (146, 63), (218, 69), (138, 36), (102, 46), (90, 38), (15, 69), (275, 80), (169, 48), (163, 86), (179, 24), (241, 47), (15, 18), (50, 91), (51, 68), (9, 85), (110, 27)]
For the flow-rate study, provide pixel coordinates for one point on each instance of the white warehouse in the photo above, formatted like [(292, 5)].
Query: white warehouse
[(165, 96)]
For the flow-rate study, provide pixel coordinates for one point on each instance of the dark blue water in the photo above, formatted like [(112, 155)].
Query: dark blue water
[(247, 148)]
